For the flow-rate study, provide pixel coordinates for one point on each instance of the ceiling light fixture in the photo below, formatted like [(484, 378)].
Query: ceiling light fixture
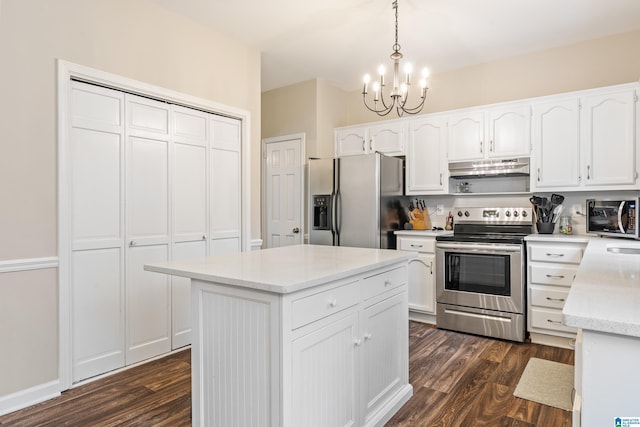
[(399, 92)]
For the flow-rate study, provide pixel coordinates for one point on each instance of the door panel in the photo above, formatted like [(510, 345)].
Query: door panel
[(148, 304), (189, 192), (181, 294), (97, 319)]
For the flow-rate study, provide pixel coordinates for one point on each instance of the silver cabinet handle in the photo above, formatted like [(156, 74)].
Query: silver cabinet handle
[(371, 145), (538, 174), (557, 322), (415, 246), (296, 230), (387, 283), (204, 237), (357, 342), (554, 255), (431, 268), (555, 299), (481, 147), (588, 172), (491, 145), (132, 243), (333, 303), (555, 276), (364, 147), (441, 178), (367, 336)]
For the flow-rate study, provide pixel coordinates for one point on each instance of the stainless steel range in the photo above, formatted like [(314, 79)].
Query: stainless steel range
[(480, 274)]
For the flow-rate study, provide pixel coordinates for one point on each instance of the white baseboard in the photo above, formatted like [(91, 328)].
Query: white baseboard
[(256, 244), (30, 396)]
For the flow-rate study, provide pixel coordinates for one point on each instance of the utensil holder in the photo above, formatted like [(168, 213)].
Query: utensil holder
[(545, 227)]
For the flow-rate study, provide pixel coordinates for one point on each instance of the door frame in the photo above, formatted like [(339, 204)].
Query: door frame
[(263, 185), (68, 71)]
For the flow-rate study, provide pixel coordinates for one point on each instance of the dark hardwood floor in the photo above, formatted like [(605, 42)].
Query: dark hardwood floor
[(458, 380)]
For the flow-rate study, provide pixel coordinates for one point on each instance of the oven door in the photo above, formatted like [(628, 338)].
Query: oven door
[(481, 275)]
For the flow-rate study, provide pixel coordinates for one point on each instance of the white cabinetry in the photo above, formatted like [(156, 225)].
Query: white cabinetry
[(387, 137), (498, 132), (335, 354), (586, 141), (422, 285), (426, 161), (551, 268)]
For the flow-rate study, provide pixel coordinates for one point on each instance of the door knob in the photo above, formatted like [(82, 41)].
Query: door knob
[(296, 230)]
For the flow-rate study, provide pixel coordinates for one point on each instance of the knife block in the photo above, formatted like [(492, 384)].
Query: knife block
[(420, 219)]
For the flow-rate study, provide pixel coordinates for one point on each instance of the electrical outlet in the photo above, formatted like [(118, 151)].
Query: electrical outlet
[(439, 209), (576, 208)]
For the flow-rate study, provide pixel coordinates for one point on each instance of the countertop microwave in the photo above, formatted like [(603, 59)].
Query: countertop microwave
[(616, 218)]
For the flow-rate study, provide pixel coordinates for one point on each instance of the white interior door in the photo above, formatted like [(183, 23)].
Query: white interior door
[(283, 163), (148, 294), (189, 210), (97, 253)]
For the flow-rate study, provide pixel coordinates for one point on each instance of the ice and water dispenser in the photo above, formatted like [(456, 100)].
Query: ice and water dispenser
[(322, 212)]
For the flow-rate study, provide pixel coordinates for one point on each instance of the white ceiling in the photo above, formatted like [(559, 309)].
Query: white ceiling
[(341, 40)]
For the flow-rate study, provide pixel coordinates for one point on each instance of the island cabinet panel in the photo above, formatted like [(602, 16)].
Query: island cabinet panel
[(334, 354)]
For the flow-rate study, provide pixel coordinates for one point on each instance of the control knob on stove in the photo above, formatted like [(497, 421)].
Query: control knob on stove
[(459, 213), (515, 214), (524, 214), (466, 213), (508, 213)]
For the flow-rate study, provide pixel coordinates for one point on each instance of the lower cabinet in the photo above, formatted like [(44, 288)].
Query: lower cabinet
[(333, 355), (422, 283), (551, 267)]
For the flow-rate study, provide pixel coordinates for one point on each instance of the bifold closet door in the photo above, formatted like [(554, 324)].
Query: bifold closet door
[(96, 257), (189, 201), (225, 185), (147, 171)]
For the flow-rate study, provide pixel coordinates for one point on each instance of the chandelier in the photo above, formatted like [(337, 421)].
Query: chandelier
[(399, 94)]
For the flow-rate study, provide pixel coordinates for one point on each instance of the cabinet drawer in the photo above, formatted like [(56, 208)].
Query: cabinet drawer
[(375, 285), (417, 244), (546, 297), (556, 253), (547, 318), (315, 307), (550, 274)]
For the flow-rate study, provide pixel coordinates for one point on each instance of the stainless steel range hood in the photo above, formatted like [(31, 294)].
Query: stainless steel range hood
[(489, 168)]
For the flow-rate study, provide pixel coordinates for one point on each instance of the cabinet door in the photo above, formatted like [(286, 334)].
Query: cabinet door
[(350, 142), (384, 350), (426, 157), (324, 375), (609, 139), (466, 137), (388, 139), (509, 131), (225, 186), (148, 295), (556, 144), (422, 289)]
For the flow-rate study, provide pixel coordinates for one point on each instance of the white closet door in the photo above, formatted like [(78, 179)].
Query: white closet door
[(225, 185), (95, 191), (189, 142), (148, 295)]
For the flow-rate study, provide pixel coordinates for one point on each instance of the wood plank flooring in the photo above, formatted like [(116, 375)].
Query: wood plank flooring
[(458, 380)]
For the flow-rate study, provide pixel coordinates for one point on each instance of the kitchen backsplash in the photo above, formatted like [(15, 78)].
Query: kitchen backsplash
[(573, 205)]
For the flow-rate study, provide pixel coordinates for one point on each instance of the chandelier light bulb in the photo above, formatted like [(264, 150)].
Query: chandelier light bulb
[(423, 83), (425, 73), (366, 79), (381, 70), (408, 68)]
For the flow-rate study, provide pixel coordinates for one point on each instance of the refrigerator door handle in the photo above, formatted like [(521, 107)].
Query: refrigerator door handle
[(336, 202)]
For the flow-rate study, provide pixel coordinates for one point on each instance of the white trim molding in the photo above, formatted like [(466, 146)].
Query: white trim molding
[(30, 396), (28, 264), (256, 244)]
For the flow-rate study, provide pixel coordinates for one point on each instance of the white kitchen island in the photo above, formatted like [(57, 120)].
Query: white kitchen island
[(298, 336), (604, 303)]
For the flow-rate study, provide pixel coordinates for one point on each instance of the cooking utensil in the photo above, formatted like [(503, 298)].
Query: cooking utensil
[(557, 199)]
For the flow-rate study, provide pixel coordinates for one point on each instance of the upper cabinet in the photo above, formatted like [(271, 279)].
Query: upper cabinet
[(497, 132), (426, 160), (587, 141), (386, 137)]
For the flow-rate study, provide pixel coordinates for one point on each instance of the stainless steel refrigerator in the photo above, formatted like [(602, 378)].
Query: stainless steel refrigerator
[(355, 201)]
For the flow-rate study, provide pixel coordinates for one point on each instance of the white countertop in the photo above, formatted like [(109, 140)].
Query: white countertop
[(558, 238), (605, 294), (283, 270), (428, 233)]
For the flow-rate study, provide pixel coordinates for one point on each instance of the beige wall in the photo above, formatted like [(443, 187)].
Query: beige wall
[(602, 62), (135, 39)]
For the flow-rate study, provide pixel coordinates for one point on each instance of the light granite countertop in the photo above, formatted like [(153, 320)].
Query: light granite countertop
[(605, 294), (427, 233), (283, 270)]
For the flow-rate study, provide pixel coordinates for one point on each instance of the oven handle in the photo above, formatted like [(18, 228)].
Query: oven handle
[(483, 248)]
